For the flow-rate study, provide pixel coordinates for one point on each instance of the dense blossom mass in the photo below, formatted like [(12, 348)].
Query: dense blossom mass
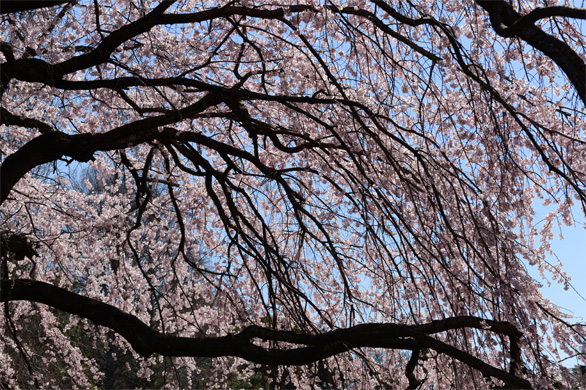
[(296, 194)]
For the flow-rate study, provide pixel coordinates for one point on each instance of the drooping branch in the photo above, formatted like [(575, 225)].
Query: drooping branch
[(308, 348), (372, 154), (411, 365), (37, 70), (387, 30)]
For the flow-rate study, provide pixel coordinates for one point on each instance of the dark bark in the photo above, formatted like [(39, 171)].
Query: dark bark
[(16, 244), (9, 6), (81, 147), (310, 347), (508, 23), (53, 145), (7, 118), (37, 70), (411, 365)]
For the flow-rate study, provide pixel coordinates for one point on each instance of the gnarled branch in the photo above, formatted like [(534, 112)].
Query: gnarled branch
[(308, 348)]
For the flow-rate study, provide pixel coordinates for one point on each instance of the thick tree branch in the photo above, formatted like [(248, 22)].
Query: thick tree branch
[(37, 70), (8, 118), (311, 347), (537, 14), (507, 23), (9, 6), (411, 365), (103, 51), (81, 147)]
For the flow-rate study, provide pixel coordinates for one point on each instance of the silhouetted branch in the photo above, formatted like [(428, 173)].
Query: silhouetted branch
[(81, 147), (10, 6), (308, 348), (508, 23)]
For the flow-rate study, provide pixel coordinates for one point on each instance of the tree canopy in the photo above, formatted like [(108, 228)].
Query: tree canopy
[(313, 193)]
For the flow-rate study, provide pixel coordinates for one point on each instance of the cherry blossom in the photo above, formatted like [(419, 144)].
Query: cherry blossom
[(287, 194)]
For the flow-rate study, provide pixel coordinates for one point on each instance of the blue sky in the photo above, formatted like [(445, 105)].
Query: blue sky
[(571, 250)]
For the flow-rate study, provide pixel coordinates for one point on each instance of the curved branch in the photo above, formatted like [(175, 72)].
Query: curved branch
[(414, 383), (386, 29), (81, 147), (542, 13), (37, 70), (507, 22), (310, 347), (103, 51)]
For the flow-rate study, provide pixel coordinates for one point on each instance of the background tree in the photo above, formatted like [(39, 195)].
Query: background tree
[(359, 175)]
